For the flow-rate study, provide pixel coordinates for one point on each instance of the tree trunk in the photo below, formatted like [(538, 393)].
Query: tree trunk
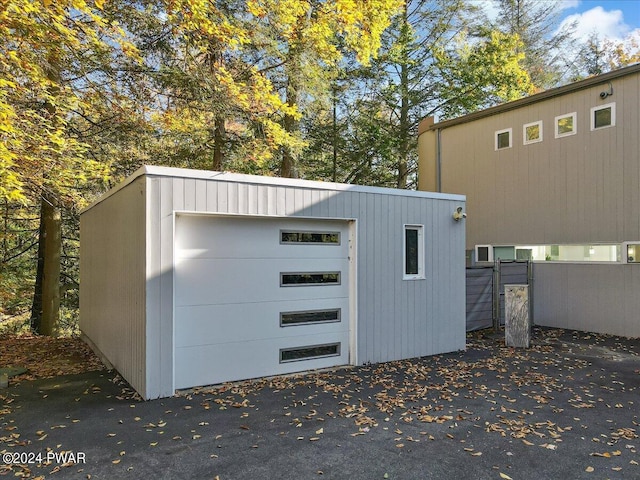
[(403, 150), (288, 165), (46, 293), (36, 306), (218, 144), (51, 245)]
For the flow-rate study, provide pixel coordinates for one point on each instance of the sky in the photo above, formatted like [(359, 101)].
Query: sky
[(610, 19), (615, 20)]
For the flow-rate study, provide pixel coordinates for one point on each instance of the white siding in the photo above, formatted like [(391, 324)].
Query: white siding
[(112, 281), (595, 298), (395, 318)]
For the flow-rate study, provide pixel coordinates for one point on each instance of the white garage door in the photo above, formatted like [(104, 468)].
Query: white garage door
[(257, 297)]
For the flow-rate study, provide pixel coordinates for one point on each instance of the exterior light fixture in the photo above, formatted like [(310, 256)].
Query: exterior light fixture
[(459, 214)]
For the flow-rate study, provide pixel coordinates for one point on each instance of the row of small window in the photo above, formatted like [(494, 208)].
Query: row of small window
[(309, 317), (602, 116), (627, 252)]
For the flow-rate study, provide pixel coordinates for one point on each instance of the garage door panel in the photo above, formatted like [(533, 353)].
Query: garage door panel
[(236, 238), (229, 298), (211, 281), (212, 364), (207, 324)]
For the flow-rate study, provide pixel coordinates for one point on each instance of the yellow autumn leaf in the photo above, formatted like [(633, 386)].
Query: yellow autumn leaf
[(505, 476)]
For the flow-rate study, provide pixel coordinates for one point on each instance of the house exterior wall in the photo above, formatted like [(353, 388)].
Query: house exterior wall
[(113, 281), (576, 189), (582, 189)]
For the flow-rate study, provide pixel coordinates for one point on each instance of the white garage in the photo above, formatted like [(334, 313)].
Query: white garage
[(282, 306), (193, 278)]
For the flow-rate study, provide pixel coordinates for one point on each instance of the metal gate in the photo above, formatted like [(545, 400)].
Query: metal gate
[(485, 291)]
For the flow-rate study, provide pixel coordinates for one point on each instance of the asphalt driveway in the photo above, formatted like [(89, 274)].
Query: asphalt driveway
[(566, 408)]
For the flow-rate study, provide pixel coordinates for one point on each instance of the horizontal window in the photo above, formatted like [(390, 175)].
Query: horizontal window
[(297, 237), (309, 278), (309, 317), (309, 353), (551, 253)]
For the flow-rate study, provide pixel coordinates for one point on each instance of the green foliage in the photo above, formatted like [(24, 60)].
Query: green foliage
[(545, 45), (482, 74)]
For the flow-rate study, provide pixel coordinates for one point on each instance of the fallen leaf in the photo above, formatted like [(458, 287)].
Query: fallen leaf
[(588, 469), (505, 476)]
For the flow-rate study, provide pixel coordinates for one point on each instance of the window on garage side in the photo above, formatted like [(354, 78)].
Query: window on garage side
[(413, 252), (503, 139), (603, 116), (565, 125), (309, 352)]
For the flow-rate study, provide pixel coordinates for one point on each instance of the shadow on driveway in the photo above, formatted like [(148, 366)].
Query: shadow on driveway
[(566, 408)]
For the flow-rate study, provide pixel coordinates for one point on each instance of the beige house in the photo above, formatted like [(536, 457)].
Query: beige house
[(554, 177)]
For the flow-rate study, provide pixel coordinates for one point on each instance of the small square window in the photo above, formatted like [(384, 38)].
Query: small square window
[(413, 252), (484, 253), (603, 116), (503, 139), (632, 252), (566, 125), (532, 133)]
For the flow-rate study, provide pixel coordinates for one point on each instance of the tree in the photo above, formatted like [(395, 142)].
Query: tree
[(598, 55), (432, 50), (46, 59), (543, 45)]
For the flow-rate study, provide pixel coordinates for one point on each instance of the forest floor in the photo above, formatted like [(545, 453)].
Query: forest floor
[(46, 357)]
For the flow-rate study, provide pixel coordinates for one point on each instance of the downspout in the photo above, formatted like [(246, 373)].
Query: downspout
[(438, 162)]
